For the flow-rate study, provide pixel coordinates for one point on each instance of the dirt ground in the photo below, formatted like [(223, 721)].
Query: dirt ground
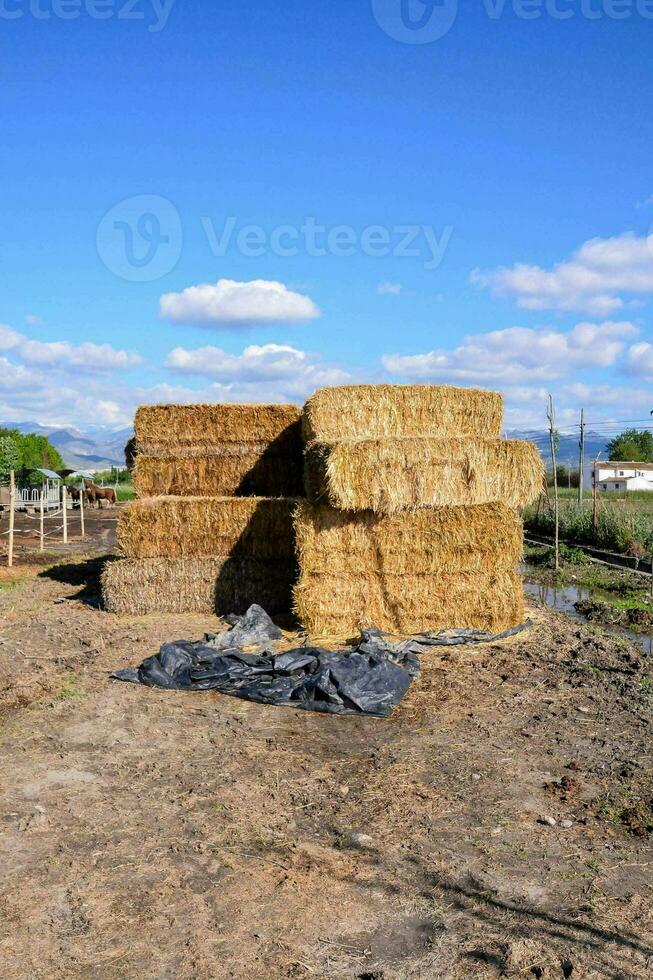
[(154, 834)]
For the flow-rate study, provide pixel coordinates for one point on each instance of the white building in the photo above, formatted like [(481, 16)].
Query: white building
[(615, 475)]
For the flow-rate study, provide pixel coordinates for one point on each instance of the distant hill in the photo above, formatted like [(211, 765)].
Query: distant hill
[(567, 450), (95, 448)]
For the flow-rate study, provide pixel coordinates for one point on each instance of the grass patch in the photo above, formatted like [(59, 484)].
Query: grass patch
[(632, 812), (544, 556), (70, 689)]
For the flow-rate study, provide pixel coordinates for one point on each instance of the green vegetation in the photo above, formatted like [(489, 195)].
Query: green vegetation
[(622, 526), (70, 688), (23, 452), (632, 445), (125, 491), (567, 478), (633, 812), (9, 457), (545, 556)]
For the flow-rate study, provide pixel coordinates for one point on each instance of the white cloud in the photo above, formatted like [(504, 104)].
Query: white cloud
[(85, 357), (34, 321), (517, 355), (639, 361), (594, 280), (388, 288), (623, 397), (238, 304), (9, 338), (276, 372)]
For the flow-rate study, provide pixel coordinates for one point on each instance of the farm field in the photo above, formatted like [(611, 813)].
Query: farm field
[(161, 834), (624, 522)]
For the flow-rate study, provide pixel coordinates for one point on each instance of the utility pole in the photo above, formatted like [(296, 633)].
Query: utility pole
[(551, 417), (581, 457)]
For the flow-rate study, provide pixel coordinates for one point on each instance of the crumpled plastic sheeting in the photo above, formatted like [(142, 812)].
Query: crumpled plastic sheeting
[(368, 679)]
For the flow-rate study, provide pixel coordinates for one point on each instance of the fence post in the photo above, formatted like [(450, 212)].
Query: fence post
[(581, 456), (12, 504), (81, 509), (41, 516), (594, 498), (551, 417), (65, 513)]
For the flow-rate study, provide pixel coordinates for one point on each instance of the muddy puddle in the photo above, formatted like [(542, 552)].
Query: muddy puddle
[(563, 598)]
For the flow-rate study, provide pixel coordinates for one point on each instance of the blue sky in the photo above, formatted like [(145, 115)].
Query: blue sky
[(510, 158)]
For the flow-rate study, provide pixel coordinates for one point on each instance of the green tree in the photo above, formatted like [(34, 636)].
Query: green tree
[(632, 446), (9, 456), (38, 452)]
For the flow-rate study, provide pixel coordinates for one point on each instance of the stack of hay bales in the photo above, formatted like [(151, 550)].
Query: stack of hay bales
[(213, 530), (411, 521)]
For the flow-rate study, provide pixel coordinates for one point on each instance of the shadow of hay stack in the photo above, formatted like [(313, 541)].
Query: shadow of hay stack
[(87, 574), (279, 470)]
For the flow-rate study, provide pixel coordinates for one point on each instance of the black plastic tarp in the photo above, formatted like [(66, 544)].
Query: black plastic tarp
[(369, 678)]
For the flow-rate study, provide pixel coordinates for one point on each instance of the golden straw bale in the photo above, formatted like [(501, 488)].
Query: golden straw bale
[(240, 471), (167, 429), (341, 605), (179, 527), (484, 538), (204, 585), (375, 411), (389, 475)]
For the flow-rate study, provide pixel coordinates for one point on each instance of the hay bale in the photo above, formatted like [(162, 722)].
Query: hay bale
[(375, 411), (482, 538), (389, 475), (171, 429), (192, 527), (341, 604), (202, 585), (235, 470)]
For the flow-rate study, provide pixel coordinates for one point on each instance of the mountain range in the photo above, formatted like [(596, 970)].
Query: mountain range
[(99, 448), (94, 448), (567, 446)]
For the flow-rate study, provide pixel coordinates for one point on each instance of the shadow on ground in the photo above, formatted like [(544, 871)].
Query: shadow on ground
[(86, 573)]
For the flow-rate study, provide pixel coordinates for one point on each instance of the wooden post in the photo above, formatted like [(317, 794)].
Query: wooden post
[(65, 513), (41, 516), (581, 457), (595, 502), (551, 417), (12, 505), (81, 509)]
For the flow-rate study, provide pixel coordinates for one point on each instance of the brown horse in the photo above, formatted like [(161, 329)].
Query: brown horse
[(95, 494)]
